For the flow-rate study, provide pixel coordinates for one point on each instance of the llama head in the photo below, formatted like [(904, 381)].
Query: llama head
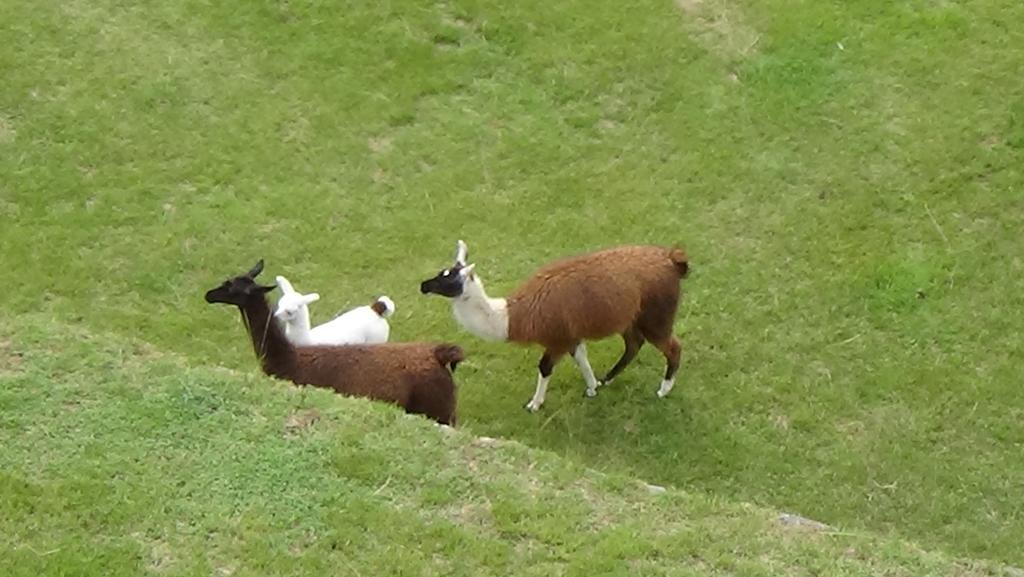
[(239, 290), (292, 302), (451, 282)]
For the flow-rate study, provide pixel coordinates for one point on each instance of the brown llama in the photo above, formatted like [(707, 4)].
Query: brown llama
[(415, 376), (632, 291)]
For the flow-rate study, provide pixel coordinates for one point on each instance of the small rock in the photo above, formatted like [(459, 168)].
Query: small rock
[(791, 520), (485, 441), (654, 489)]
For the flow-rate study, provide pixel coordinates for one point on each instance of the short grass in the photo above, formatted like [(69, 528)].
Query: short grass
[(121, 460), (846, 176)]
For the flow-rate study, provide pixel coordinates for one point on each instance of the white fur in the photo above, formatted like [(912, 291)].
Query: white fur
[(361, 325), (580, 356), (666, 387), (487, 318), (478, 313), (538, 395)]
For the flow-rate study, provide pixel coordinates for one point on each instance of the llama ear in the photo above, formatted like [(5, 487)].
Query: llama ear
[(256, 270), (266, 289), (311, 298), (461, 250), (286, 287), (467, 271)]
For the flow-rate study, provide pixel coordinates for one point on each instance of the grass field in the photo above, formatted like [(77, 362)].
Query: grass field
[(846, 177), (157, 467)]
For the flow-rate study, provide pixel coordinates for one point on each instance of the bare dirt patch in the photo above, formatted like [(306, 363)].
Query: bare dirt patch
[(721, 27), (7, 132), (379, 144), (161, 555), (301, 420), (690, 6), (161, 558), (10, 359)]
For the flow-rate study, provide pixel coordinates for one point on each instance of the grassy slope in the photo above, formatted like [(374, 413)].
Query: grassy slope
[(120, 460), (150, 149)]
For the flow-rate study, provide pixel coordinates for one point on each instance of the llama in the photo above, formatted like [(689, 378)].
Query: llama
[(361, 325), (415, 376), (632, 291)]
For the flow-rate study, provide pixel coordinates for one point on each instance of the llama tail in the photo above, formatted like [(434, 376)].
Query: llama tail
[(680, 260), (449, 355), (384, 307)]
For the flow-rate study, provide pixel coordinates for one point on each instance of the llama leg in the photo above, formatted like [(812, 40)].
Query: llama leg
[(579, 354), (544, 368), (634, 340), (671, 349), (655, 323)]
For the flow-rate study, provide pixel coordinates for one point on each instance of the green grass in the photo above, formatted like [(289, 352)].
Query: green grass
[(845, 175), (154, 466)]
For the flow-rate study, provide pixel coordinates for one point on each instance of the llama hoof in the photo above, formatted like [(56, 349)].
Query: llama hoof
[(532, 406), (604, 382), (666, 387), (590, 393)]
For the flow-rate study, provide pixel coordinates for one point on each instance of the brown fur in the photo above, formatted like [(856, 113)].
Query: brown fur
[(632, 291), (414, 376), (596, 295), (680, 260), (379, 307)]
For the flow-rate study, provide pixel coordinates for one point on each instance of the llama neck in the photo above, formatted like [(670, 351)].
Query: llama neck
[(298, 329), (480, 314), (276, 355)]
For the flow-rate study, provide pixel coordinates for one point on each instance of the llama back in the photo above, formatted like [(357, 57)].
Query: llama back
[(361, 325), (593, 295), (395, 372), (410, 375)]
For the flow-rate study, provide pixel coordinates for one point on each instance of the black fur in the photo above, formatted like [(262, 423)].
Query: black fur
[(448, 283)]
